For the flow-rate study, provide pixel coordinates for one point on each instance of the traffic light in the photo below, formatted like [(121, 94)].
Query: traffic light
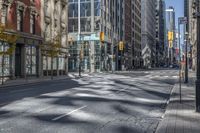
[(121, 45), (170, 36), (102, 37)]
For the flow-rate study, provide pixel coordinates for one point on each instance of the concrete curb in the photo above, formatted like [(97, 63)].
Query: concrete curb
[(43, 80), (30, 83), (167, 103)]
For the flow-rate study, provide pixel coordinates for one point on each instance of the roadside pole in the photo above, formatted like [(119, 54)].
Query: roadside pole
[(196, 15), (179, 40), (79, 35), (186, 58), (181, 20)]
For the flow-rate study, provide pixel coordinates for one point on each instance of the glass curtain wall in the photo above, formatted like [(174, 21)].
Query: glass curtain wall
[(86, 30)]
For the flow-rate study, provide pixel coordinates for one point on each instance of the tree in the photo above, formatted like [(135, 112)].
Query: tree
[(52, 49), (9, 40)]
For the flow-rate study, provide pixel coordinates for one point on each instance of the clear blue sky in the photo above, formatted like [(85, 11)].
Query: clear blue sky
[(179, 12), (178, 6)]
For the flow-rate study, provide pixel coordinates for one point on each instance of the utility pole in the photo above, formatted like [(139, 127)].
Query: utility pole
[(197, 16), (198, 61), (186, 58), (179, 41), (79, 35), (181, 20)]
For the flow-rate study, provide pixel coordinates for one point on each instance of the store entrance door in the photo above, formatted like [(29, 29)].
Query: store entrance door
[(18, 61)]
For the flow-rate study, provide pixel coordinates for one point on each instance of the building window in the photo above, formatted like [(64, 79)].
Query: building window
[(31, 60), (20, 20), (32, 24), (6, 69), (4, 14)]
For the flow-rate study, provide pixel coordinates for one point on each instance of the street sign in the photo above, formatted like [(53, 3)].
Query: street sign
[(102, 37)]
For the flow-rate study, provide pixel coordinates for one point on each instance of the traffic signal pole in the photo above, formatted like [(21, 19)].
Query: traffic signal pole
[(179, 41), (196, 14), (198, 58), (79, 34), (186, 58)]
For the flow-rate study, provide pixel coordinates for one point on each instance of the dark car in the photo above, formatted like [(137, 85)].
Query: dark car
[(175, 66)]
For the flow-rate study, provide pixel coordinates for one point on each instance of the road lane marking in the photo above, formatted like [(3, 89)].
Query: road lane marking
[(61, 116)]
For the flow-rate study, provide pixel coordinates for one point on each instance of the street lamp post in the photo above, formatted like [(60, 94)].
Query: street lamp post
[(179, 41), (181, 20), (79, 35), (186, 58), (197, 16)]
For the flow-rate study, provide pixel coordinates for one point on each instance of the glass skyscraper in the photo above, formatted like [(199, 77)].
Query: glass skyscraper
[(89, 34), (96, 16)]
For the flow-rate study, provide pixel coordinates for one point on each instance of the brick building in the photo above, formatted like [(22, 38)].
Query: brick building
[(25, 18), (132, 37)]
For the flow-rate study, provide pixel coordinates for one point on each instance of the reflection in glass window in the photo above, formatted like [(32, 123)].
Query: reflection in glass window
[(85, 13), (73, 25), (85, 25), (61, 63), (97, 8), (3, 47), (85, 9), (31, 60), (73, 10)]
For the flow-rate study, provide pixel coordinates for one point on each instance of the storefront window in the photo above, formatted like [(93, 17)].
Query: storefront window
[(61, 63), (6, 68), (97, 55), (31, 60)]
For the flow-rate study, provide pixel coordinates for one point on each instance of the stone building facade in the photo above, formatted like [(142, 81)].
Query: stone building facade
[(25, 18), (132, 34), (149, 33), (192, 26), (54, 14), (160, 33), (35, 21)]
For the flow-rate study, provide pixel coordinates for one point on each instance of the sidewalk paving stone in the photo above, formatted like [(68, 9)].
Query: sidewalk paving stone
[(181, 117)]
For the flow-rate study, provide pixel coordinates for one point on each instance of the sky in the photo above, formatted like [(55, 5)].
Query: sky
[(179, 12), (178, 6)]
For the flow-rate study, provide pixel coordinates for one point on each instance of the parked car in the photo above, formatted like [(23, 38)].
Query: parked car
[(175, 66)]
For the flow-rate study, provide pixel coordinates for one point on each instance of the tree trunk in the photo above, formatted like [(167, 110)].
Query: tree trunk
[(2, 70), (47, 72), (52, 68)]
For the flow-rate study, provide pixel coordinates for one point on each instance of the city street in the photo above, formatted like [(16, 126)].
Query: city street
[(124, 102)]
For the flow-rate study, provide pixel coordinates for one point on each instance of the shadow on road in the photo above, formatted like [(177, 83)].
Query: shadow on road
[(109, 99)]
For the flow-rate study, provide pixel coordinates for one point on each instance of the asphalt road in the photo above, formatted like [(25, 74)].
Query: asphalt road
[(127, 102)]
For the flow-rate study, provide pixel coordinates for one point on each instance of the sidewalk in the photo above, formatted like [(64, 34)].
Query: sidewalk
[(181, 118), (34, 80)]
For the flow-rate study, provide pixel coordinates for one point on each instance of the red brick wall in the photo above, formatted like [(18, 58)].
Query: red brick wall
[(12, 16)]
